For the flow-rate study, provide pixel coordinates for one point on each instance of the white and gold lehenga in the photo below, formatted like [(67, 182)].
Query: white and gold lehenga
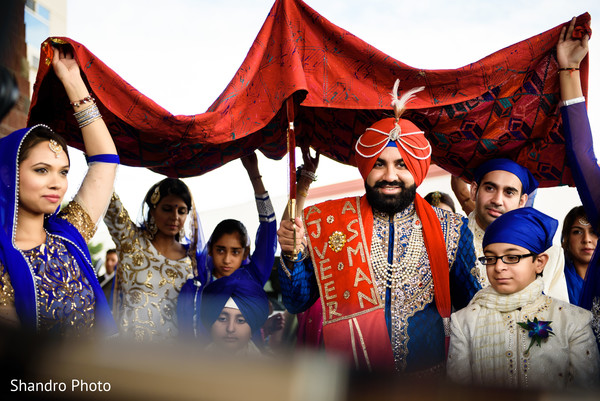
[(147, 284)]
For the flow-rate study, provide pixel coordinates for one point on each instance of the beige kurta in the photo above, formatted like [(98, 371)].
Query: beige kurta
[(147, 283), (569, 358)]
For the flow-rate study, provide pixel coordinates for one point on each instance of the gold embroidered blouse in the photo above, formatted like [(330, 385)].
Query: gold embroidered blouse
[(65, 297)]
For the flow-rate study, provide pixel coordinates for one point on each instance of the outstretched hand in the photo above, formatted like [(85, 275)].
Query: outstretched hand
[(250, 163), (310, 163), (65, 66), (570, 51)]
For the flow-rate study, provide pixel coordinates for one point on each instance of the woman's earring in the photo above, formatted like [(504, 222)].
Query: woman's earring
[(152, 227), (181, 234)]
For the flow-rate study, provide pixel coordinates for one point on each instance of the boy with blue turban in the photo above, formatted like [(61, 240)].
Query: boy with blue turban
[(499, 186), (511, 334), (233, 309)]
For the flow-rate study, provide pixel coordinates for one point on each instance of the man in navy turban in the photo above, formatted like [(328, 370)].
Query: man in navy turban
[(499, 186)]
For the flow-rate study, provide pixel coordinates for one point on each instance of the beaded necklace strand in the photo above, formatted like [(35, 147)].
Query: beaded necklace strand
[(399, 274)]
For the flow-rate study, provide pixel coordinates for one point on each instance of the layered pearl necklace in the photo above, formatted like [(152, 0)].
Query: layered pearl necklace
[(398, 274)]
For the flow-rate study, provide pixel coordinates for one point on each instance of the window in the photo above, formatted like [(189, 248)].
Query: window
[(43, 11), (36, 29)]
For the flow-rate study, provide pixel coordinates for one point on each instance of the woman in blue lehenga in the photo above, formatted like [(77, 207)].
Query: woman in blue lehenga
[(570, 52), (47, 282)]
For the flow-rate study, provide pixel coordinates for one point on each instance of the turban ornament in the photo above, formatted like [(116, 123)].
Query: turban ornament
[(396, 134), (410, 140)]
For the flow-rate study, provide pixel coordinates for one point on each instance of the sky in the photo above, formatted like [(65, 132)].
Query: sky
[(183, 53)]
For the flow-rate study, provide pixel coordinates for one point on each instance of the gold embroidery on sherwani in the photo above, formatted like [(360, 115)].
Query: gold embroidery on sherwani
[(417, 291), (478, 271)]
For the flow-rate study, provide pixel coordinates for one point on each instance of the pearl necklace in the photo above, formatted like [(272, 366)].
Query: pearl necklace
[(399, 274)]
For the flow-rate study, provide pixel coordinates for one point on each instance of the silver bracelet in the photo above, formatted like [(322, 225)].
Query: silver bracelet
[(87, 116), (303, 172), (308, 174)]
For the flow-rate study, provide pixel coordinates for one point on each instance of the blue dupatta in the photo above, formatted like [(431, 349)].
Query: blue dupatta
[(20, 272), (574, 282)]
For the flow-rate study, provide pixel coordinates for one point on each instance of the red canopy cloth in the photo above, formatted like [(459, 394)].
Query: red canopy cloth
[(505, 105)]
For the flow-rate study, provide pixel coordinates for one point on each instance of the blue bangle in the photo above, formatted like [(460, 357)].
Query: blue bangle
[(105, 158)]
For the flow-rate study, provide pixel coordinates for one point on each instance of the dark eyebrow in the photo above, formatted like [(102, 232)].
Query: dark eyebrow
[(224, 247), (490, 183), (43, 164), (493, 184)]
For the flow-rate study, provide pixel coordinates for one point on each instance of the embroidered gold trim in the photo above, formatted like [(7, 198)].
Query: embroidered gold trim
[(7, 293), (353, 342), (307, 219), (362, 344), (59, 41), (412, 297), (75, 214)]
